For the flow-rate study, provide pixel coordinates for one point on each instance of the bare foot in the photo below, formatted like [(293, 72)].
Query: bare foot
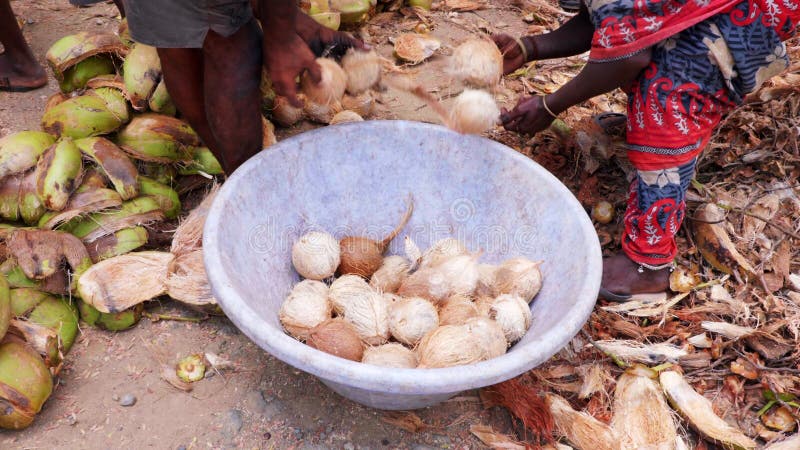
[(621, 276), (18, 77)]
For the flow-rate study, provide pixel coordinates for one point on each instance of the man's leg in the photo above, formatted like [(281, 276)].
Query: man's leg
[(232, 74), (183, 75), (19, 70)]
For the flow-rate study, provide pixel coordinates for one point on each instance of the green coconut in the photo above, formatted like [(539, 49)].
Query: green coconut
[(25, 384), (5, 306), (112, 321), (76, 76), (166, 197), (49, 311), (20, 151)]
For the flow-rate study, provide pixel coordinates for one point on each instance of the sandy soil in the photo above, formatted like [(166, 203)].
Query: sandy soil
[(263, 403)]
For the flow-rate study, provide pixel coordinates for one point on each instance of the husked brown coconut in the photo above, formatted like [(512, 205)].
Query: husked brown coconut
[(330, 88), (441, 251), (473, 112), (455, 275), (410, 319), (363, 256), (390, 274), (316, 255), (362, 307), (284, 113), (520, 277), (477, 62), (390, 355), (513, 315), (450, 345), (337, 337), (486, 281), (345, 117), (306, 307), (363, 70), (456, 310), (489, 334)]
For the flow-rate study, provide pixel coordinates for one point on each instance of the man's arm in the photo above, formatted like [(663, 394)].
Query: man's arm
[(286, 54), (570, 39)]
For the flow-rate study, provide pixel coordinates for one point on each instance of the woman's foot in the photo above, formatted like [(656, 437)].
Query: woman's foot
[(621, 279), (16, 76)]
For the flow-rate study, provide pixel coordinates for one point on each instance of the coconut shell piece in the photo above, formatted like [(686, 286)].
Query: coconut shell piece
[(80, 204), (118, 283), (40, 253), (74, 48), (113, 163), (415, 48)]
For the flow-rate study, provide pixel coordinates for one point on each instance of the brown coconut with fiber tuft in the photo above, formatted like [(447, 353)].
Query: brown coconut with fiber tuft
[(363, 256), (337, 337)]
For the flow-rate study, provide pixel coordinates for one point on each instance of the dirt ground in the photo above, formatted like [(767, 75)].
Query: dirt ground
[(261, 404)]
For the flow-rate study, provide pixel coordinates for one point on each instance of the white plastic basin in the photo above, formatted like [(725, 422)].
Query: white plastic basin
[(354, 179)]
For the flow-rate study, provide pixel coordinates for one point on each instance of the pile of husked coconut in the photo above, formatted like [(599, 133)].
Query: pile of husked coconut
[(439, 308)]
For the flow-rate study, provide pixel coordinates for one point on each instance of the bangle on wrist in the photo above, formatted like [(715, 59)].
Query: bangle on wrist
[(547, 108), (528, 48), (523, 48)]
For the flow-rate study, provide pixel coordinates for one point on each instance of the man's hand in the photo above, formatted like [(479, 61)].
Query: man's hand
[(513, 57), (528, 117), (320, 38), (285, 61)]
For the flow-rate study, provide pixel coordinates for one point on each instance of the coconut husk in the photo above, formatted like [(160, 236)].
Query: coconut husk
[(75, 48), (495, 440), (643, 353), (113, 81), (457, 310), (187, 281), (580, 428), (523, 402), (415, 48), (390, 355), (790, 443), (118, 243), (189, 235), (111, 223), (699, 412), (268, 133), (641, 414), (42, 339), (40, 253), (83, 203), (118, 283), (728, 330)]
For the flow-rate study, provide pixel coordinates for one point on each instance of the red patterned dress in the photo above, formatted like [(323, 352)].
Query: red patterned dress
[(707, 55)]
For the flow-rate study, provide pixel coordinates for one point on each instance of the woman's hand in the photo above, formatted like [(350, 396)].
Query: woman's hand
[(513, 56), (319, 37), (528, 117)]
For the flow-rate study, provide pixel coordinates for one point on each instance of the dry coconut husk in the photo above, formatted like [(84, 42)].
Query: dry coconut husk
[(415, 48), (363, 70), (441, 251), (520, 277), (489, 334), (393, 270), (641, 414), (456, 310), (477, 62), (316, 255), (581, 429), (306, 307), (268, 138), (116, 284), (513, 315), (699, 412), (345, 117), (790, 443), (40, 253), (189, 235), (337, 337), (82, 203), (187, 281), (450, 345), (410, 319), (456, 275), (390, 355), (362, 307), (331, 86)]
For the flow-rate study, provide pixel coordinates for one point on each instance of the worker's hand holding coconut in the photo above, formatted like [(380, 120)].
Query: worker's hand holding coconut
[(319, 38)]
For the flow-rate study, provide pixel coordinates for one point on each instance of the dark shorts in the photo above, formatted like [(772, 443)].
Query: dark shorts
[(184, 23)]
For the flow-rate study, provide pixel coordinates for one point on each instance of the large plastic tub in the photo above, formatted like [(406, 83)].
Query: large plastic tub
[(354, 179)]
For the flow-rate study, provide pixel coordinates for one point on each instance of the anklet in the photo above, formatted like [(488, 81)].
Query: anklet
[(642, 266)]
